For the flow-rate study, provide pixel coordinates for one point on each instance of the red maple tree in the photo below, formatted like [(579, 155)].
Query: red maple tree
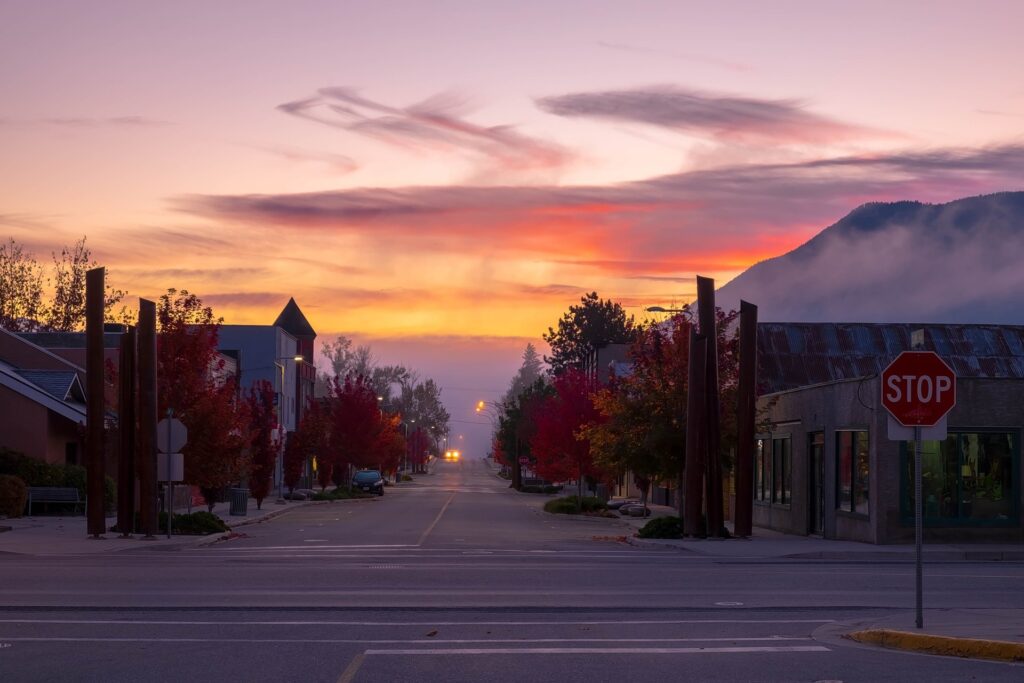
[(559, 446), (265, 442), (354, 418), (193, 387)]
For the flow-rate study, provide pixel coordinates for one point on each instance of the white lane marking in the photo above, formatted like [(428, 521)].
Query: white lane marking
[(315, 547), (394, 641), (436, 519), (599, 651), (636, 622)]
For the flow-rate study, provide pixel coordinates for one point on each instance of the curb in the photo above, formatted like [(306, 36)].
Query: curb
[(901, 556), (999, 650)]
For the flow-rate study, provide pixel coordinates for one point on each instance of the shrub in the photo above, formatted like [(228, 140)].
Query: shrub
[(34, 472), (563, 506), (551, 489), (339, 493), (13, 496), (199, 523), (570, 505), (662, 527)]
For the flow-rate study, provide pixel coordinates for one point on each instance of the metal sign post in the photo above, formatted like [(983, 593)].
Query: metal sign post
[(918, 529), (172, 437), (918, 390)]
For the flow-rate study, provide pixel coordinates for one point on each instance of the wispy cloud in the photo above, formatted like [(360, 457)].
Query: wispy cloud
[(338, 163), (90, 122), (663, 226), (683, 56), (439, 122), (725, 118)]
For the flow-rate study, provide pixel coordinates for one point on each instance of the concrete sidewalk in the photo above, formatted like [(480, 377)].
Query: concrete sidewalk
[(66, 535)]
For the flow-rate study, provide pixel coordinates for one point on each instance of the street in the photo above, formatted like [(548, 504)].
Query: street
[(454, 577)]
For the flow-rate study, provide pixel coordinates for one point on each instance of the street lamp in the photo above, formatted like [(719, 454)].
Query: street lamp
[(279, 362)]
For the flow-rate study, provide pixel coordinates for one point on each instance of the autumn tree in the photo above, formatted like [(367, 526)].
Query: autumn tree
[(66, 312), (264, 442), (592, 324), (24, 282), (517, 423), (193, 387), (353, 419), (21, 289), (560, 444), (643, 425)]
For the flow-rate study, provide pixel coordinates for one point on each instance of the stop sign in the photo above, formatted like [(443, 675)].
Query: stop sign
[(918, 388)]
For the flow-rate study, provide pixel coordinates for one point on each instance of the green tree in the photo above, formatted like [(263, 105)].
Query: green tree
[(592, 324), (529, 372)]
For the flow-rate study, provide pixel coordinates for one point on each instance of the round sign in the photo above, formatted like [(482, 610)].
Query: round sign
[(918, 388)]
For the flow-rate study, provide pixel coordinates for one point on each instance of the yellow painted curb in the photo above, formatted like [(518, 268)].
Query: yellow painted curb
[(942, 645)]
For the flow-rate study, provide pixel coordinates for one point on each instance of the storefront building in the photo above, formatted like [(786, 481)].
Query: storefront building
[(825, 466)]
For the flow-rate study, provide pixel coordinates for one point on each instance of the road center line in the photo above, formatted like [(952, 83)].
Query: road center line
[(436, 519), (447, 652)]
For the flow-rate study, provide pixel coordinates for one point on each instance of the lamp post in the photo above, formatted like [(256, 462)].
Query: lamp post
[(279, 363), (405, 425)]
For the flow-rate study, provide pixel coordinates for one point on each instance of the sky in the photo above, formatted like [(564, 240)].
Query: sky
[(443, 180)]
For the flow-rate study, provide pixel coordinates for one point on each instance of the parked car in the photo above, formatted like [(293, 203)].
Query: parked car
[(369, 481), (616, 504), (634, 510)]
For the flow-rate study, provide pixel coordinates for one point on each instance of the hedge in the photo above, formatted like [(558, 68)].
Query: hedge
[(35, 472)]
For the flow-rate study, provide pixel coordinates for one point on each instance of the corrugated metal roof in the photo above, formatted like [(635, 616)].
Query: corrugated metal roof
[(792, 355)]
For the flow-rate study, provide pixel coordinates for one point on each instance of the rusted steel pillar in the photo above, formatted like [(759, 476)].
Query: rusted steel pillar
[(713, 478), (126, 434), (696, 408), (147, 417), (745, 420), (95, 411)]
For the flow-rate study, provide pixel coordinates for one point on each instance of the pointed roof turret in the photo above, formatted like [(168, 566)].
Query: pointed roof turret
[(294, 322)]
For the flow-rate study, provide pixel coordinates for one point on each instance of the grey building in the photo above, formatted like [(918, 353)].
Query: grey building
[(824, 464)]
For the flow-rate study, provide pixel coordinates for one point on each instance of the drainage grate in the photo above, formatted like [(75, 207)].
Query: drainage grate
[(384, 566)]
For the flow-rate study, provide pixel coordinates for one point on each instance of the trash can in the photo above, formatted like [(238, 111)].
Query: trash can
[(239, 501)]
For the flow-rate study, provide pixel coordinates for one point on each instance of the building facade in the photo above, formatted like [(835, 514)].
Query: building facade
[(825, 465)]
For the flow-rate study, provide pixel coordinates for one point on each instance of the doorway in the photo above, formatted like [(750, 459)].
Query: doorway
[(816, 480)]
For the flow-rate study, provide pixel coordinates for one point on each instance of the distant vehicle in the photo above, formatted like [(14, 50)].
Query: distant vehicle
[(452, 456), (369, 481)]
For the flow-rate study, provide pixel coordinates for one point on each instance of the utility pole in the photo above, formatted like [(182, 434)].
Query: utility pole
[(696, 405), (95, 409)]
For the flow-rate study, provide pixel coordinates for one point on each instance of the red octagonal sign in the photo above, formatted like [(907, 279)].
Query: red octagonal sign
[(918, 388)]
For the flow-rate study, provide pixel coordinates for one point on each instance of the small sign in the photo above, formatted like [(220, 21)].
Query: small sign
[(523, 460), (170, 467), (898, 432), (171, 435)]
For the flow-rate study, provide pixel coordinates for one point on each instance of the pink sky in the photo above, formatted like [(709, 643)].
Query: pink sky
[(442, 180)]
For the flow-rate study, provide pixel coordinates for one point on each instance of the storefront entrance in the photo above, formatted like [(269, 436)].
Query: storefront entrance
[(816, 480)]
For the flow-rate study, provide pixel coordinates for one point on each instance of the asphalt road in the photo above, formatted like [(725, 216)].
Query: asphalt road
[(456, 578)]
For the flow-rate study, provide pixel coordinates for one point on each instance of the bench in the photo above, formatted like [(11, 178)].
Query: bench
[(53, 494)]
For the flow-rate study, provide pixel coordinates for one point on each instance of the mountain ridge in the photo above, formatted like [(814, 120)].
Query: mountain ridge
[(958, 262)]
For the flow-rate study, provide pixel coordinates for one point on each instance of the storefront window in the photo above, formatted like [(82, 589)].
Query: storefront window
[(969, 478), (782, 462), (853, 467)]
